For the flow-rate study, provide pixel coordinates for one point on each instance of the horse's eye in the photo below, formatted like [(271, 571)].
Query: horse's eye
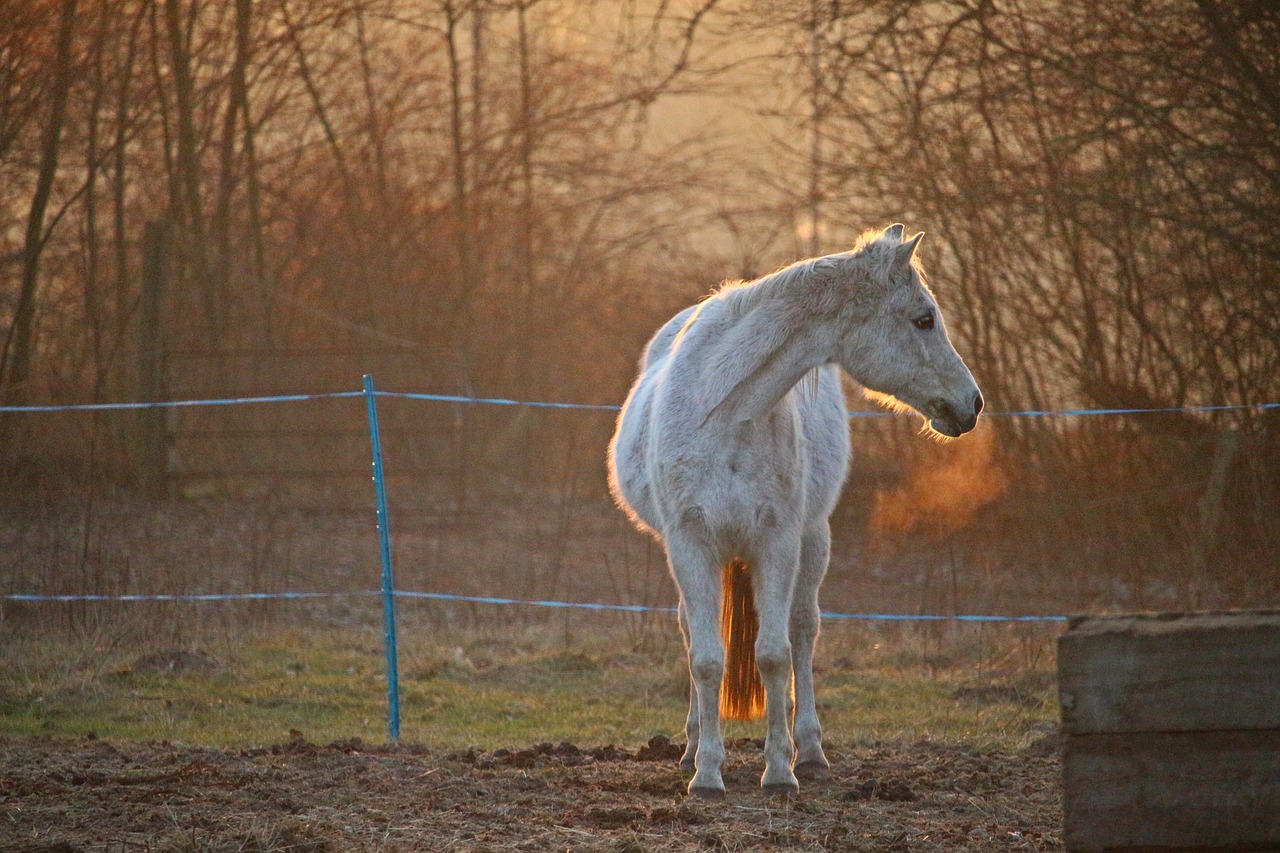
[(924, 322)]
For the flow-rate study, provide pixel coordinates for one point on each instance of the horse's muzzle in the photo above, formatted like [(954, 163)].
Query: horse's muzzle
[(945, 420)]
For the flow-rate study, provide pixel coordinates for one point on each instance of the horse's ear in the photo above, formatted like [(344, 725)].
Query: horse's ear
[(903, 254), (894, 232)]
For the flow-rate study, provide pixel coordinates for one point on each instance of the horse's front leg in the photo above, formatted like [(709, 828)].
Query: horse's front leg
[(774, 581), (815, 552), (698, 576)]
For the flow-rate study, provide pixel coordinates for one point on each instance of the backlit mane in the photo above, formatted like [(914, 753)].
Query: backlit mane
[(740, 297), (873, 250)]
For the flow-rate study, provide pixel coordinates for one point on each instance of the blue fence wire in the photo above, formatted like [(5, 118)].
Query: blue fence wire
[(389, 593), (595, 407), (173, 404), (193, 596), (498, 601)]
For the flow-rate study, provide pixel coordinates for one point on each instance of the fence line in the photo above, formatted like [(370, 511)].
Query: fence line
[(485, 599), (598, 407), (194, 596), (171, 404), (389, 593)]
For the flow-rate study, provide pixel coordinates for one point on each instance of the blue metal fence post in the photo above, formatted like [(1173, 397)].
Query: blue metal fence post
[(388, 579)]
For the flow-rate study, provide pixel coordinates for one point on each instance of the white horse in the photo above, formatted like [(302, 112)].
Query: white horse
[(735, 464)]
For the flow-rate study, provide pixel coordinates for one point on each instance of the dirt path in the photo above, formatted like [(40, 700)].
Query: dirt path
[(91, 795)]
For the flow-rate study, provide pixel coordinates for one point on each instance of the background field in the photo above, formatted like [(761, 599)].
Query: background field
[(559, 734)]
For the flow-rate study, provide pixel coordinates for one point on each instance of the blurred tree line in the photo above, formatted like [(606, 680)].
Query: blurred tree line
[(454, 171), (1102, 180), (487, 180)]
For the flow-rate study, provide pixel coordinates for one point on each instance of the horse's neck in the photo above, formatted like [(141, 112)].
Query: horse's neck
[(752, 363)]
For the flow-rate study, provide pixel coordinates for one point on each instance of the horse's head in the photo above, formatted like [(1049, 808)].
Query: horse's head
[(893, 340)]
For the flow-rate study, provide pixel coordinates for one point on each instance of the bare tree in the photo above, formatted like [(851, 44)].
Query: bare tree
[(18, 353), (1098, 179)]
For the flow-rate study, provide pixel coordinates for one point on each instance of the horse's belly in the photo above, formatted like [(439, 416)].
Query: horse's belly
[(731, 492)]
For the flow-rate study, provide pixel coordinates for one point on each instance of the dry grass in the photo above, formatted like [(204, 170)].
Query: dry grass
[(583, 679)]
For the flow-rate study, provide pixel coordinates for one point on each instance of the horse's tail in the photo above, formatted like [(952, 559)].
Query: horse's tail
[(741, 692)]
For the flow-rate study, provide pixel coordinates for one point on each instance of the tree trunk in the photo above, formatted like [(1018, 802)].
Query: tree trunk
[(526, 159), (16, 360), (188, 175)]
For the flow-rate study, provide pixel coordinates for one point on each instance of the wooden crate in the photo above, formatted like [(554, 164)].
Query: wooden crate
[(1172, 732)]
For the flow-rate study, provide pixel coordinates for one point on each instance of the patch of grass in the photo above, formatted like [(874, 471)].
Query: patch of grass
[(457, 693)]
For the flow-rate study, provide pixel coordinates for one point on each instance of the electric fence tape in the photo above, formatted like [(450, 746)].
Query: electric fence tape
[(389, 594), (494, 600), (594, 407)]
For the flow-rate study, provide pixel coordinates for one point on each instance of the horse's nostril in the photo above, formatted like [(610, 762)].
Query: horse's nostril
[(977, 404)]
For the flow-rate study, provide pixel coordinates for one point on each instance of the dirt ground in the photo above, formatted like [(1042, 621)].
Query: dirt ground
[(70, 796)]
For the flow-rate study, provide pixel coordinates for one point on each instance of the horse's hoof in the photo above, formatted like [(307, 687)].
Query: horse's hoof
[(687, 766), (707, 793), (781, 789), (810, 771)]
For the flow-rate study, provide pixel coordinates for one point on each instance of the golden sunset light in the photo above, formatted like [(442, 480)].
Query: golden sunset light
[(639, 425)]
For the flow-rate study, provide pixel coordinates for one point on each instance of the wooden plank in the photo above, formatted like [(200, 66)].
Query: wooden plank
[(1170, 673), (1185, 791)]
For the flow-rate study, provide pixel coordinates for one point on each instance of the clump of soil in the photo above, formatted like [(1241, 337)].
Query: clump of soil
[(660, 748), (75, 796)]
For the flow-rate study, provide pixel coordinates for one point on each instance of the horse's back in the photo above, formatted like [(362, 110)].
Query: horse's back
[(628, 474)]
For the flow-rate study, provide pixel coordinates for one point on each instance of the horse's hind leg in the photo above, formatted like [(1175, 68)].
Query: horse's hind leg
[(691, 722), (698, 576), (774, 581), (811, 762)]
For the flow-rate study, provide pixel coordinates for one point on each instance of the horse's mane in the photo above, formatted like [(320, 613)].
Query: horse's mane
[(872, 248), (740, 297)]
